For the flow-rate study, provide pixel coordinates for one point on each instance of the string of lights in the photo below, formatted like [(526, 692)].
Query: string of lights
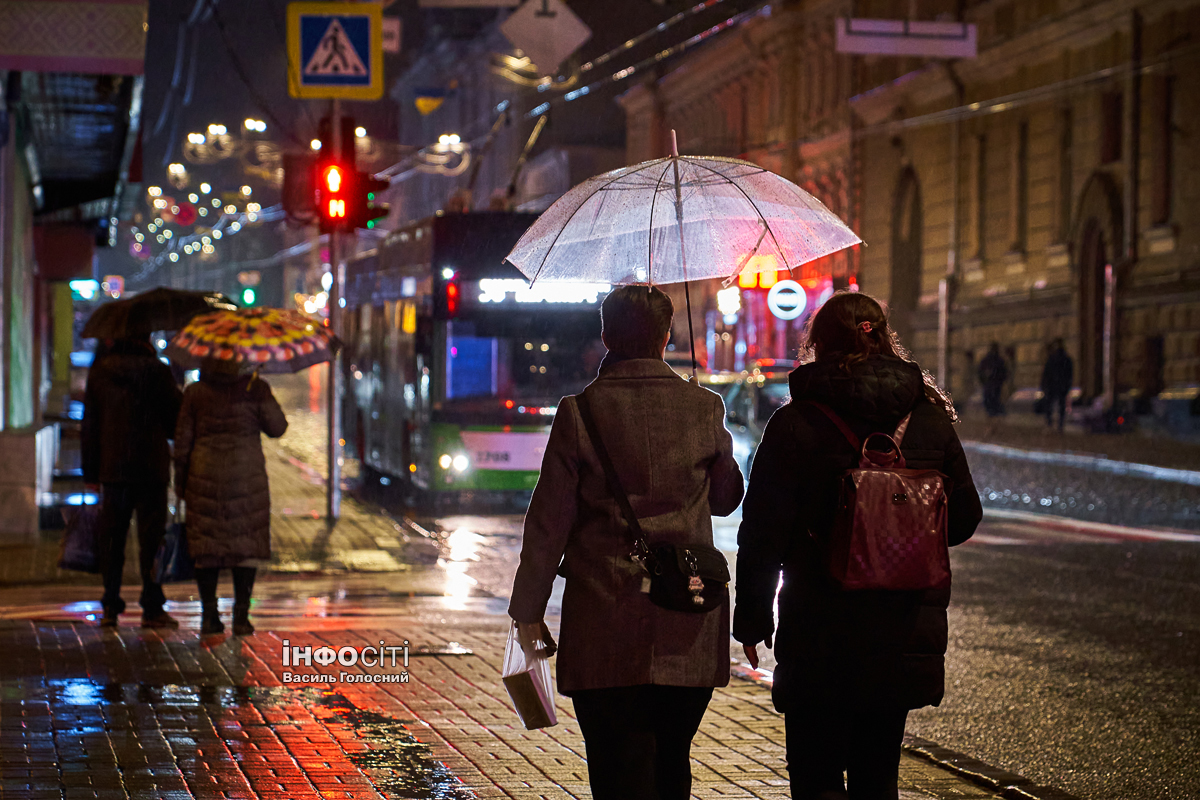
[(229, 224)]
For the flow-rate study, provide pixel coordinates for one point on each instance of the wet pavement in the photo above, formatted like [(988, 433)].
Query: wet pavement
[(139, 714), (132, 713), (1073, 655), (1121, 479)]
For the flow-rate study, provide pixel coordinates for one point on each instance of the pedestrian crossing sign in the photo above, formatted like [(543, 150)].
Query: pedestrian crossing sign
[(335, 50)]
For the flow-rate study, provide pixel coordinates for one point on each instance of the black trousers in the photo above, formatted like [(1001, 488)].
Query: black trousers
[(865, 744), (639, 739), (121, 501), (1056, 402), (243, 585), (991, 400)]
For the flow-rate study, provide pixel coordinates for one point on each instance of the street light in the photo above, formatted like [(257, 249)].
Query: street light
[(360, 132), (205, 188), (315, 144), (247, 191)]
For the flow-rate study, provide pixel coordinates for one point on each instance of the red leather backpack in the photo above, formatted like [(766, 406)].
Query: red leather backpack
[(890, 528)]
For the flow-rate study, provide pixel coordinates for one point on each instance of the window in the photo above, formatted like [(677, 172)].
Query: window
[(1111, 125), (1065, 175), (1019, 190), (1160, 198), (980, 196)]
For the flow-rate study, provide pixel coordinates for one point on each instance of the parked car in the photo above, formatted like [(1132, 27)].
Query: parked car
[(750, 400)]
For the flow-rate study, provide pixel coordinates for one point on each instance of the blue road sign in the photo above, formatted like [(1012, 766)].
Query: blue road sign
[(335, 50)]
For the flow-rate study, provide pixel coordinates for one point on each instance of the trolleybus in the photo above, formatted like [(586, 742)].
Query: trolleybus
[(455, 365)]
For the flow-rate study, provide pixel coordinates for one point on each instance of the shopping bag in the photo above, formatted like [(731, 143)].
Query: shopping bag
[(172, 562), (81, 540), (526, 676)]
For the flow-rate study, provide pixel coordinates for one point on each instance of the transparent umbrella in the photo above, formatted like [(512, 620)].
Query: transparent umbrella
[(679, 219)]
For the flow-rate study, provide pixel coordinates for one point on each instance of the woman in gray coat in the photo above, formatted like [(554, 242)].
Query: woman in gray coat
[(221, 475), (640, 676)]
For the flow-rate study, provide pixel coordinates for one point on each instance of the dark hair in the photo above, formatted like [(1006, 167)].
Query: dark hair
[(852, 326), (635, 321)]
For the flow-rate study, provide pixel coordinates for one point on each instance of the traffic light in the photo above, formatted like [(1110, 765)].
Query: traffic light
[(335, 189), (336, 178), (249, 296), (366, 190)]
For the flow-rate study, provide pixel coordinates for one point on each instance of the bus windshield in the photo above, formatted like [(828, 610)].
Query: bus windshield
[(523, 357)]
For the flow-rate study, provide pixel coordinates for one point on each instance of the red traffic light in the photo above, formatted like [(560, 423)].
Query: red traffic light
[(333, 180)]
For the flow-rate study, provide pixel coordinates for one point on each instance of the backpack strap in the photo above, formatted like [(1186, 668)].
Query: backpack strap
[(840, 423)]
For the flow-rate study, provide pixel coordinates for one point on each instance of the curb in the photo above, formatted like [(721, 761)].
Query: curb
[(1095, 463), (1007, 784), (1102, 529)]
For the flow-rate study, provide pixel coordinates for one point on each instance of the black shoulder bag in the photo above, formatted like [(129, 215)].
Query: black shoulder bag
[(693, 578)]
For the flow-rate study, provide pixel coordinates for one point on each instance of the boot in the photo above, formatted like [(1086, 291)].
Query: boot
[(243, 588), (241, 620), (210, 620)]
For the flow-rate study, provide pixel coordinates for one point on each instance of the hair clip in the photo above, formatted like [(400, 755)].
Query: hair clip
[(866, 327)]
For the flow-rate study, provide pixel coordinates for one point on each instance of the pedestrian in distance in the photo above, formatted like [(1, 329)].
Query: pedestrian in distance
[(640, 675), (993, 372), (130, 405), (1057, 376), (850, 663), (221, 475)]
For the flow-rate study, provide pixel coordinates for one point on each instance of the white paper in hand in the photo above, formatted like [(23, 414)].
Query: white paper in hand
[(526, 675)]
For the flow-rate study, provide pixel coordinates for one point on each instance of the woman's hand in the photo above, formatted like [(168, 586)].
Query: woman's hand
[(751, 651), (538, 631)]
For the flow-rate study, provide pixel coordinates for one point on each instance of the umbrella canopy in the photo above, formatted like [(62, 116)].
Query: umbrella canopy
[(270, 340), (680, 218), (160, 309)]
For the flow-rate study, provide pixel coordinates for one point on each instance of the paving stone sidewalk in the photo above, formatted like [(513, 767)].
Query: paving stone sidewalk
[(136, 714)]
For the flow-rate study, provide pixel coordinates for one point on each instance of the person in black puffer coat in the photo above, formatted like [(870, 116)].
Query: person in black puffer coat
[(850, 664), (221, 474)]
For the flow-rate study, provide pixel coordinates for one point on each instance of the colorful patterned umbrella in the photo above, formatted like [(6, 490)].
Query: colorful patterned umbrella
[(269, 340)]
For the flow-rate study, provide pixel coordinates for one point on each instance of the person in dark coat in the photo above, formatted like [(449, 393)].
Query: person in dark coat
[(129, 411), (993, 372), (850, 664), (1057, 376), (221, 474), (640, 676)]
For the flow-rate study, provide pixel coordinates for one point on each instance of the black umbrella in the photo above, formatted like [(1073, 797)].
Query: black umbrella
[(160, 309)]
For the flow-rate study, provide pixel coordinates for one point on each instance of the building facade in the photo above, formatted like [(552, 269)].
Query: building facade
[(1044, 188)]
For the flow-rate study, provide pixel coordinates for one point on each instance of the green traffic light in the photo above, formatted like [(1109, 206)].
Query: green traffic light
[(370, 196), (248, 296), (371, 223)]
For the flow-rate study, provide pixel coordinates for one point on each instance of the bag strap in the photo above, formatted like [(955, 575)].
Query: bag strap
[(840, 423), (641, 551), (897, 437)]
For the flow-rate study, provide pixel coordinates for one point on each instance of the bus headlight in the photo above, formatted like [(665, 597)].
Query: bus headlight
[(445, 461), (461, 463)]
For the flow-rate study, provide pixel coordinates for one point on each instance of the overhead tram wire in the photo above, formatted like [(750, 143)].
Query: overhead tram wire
[(1026, 97), (662, 55), (400, 170), (238, 68)]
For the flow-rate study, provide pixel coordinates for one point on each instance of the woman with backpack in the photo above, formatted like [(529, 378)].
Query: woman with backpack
[(851, 662)]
